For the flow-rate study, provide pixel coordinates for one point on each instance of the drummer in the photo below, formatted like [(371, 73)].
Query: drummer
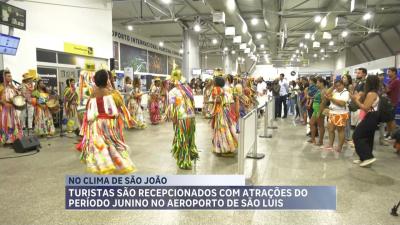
[(10, 125), (26, 89), (43, 119)]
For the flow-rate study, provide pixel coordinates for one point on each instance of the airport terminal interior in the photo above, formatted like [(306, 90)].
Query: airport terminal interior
[(201, 87)]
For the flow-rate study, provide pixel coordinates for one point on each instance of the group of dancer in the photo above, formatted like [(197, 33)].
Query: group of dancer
[(35, 115), (107, 113)]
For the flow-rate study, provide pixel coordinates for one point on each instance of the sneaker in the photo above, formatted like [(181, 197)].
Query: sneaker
[(356, 161), (367, 162), (388, 137), (383, 142)]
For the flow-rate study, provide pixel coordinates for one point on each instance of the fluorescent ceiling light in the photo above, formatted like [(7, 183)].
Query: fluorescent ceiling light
[(254, 21), (317, 18), (197, 28), (244, 28), (313, 37), (242, 46), (247, 50)]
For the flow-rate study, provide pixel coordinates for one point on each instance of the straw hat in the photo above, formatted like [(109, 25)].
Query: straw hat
[(156, 78), (27, 76)]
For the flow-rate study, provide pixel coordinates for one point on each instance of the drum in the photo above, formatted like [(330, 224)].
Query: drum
[(19, 102), (53, 105)]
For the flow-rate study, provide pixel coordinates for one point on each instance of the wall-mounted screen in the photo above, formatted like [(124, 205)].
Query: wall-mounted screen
[(8, 44)]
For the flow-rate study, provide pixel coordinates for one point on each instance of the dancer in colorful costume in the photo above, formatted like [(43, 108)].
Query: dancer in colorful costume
[(10, 123), (181, 112), (134, 104), (70, 106), (154, 103), (103, 147), (44, 125), (224, 133)]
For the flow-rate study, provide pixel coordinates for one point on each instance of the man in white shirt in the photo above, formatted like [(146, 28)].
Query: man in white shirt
[(261, 93), (283, 94)]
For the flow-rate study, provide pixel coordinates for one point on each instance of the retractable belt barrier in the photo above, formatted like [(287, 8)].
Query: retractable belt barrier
[(248, 139)]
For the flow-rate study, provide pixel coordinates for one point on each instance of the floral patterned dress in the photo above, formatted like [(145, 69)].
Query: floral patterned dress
[(224, 139), (10, 123), (103, 147)]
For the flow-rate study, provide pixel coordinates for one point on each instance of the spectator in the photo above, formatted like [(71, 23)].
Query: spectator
[(275, 93), (393, 92), (396, 137), (338, 114), (363, 136), (283, 94), (348, 84), (317, 118)]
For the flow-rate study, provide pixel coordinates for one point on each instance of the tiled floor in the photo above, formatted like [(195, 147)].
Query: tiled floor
[(32, 188)]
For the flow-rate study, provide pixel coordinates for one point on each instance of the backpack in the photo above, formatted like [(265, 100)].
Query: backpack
[(385, 109)]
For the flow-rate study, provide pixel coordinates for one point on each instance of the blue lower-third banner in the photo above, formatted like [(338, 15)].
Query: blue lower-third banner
[(200, 197)]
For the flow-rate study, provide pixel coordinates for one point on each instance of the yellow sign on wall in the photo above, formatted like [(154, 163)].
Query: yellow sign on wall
[(78, 49)]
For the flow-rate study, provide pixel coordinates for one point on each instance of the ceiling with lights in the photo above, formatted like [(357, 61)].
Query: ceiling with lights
[(294, 32)]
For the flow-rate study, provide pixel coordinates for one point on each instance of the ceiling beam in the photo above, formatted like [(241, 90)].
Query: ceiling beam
[(386, 44)]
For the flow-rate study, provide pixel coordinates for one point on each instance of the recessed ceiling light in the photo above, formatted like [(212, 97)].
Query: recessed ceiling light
[(161, 44), (254, 21), (331, 43), (180, 51), (166, 1), (262, 46), (307, 36), (214, 41), (297, 51), (233, 52), (317, 18), (197, 28), (258, 36), (322, 50), (315, 55), (231, 5), (129, 27), (322, 58), (226, 49), (301, 44), (367, 16), (345, 33)]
